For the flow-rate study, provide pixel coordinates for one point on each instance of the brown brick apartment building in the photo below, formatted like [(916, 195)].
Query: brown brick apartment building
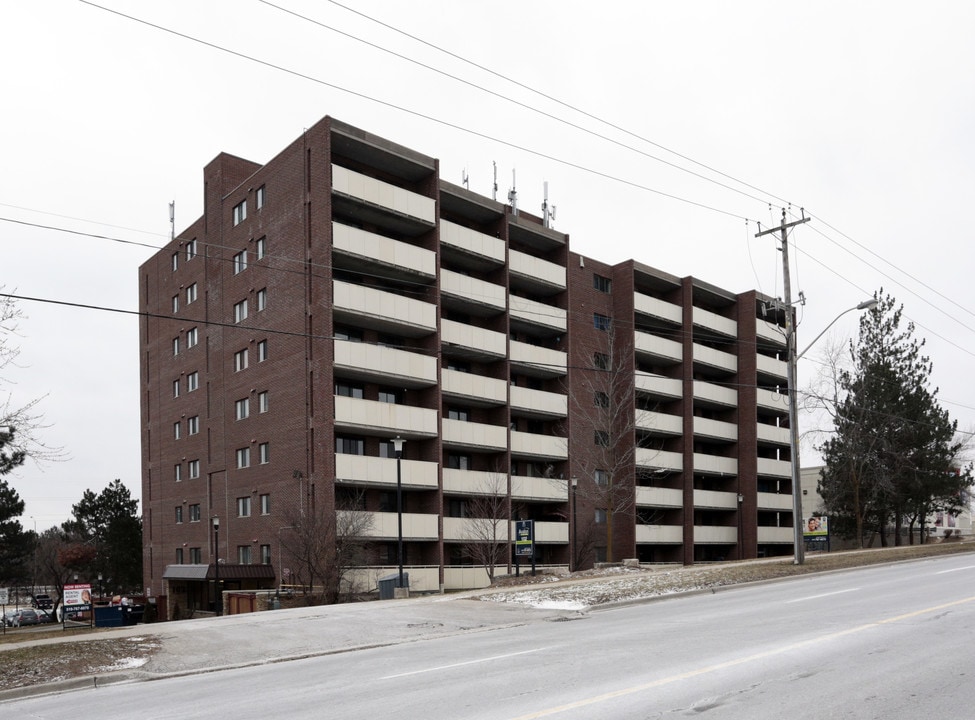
[(343, 295)]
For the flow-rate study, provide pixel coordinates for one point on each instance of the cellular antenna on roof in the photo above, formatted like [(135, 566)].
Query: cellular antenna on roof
[(465, 179), (548, 216), (172, 220), (513, 195)]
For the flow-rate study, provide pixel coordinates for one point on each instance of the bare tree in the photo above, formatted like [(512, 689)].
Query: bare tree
[(487, 528), (324, 547)]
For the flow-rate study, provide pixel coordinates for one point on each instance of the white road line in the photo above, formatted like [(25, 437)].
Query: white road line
[(967, 567), (469, 662), (816, 597)]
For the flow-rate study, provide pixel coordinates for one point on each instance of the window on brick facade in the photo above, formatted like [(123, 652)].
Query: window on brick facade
[(179, 556), (262, 299), (602, 284), (262, 401), (244, 554), (192, 337), (175, 346), (240, 360), (265, 504), (348, 390), (175, 261), (600, 399), (244, 506), (196, 556), (262, 351), (260, 248), (458, 414), (259, 197), (175, 304), (191, 293), (347, 333), (179, 514), (264, 453), (175, 388), (457, 461), (601, 478), (178, 472), (240, 262), (240, 311), (387, 395), (600, 361), (195, 512), (350, 445), (177, 429), (242, 409), (240, 212), (192, 381), (193, 425), (600, 516), (194, 469), (243, 457), (191, 249), (265, 554), (601, 322), (601, 438)]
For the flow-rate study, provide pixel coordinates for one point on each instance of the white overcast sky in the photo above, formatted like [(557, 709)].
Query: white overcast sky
[(860, 112)]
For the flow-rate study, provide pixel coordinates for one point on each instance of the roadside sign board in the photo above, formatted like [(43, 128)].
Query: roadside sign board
[(524, 538), (4, 596), (77, 598)]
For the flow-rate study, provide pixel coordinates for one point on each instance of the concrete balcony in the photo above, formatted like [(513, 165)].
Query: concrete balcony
[(475, 296), (655, 423), (536, 271), (773, 434), (371, 417), (772, 333), (472, 341), (381, 472), (536, 489), (378, 251), (656, 349), (382, 194), (416, 526), (715, 535), (538, 361), (715, 464), (537, 314), (471, 242), (659, 534), (383, 364), (658, 387), (785, 536), (717, 359), (538, 447), (774, 468), (772, 400), (477, 437), (774, 501), (473, 482), (715, 430), (659, 497), (659, 309), (473, 389), (475, 529), (711, 394), (381, 310), (770, 366), (548, 532), (659, 459), (715, 500), (717, 323), (538, 403)]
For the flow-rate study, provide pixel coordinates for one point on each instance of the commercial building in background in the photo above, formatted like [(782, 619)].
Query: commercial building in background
[(344, 295)]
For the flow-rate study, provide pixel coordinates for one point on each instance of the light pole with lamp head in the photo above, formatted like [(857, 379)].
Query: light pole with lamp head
[(799, 545), (575, 542), (398, 449), (218, 599)]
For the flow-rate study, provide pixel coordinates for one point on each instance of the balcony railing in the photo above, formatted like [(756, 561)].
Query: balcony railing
[(538, 402), (659, 497), (390, 365), (382, 309), (474, 436), (713, 321), (660, 534), (372, 416), (369, 189), (369, 470), (541, 447), (472, 242), (710, 534), (476, 389), (379, 250)]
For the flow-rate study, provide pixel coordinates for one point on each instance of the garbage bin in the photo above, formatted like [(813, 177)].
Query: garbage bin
[(389, 583), (132, 614), (109, 616)]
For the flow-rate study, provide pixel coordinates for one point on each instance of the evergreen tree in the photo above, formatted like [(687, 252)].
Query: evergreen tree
[(16, 545), (893, 452)]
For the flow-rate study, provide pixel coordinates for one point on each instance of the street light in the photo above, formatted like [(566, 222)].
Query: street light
[(575, 485), (398, 449), (798, 545), (218, 600)]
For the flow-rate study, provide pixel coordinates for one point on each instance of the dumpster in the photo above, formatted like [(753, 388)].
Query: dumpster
[(132, 614), (108, 616), (389, 583)]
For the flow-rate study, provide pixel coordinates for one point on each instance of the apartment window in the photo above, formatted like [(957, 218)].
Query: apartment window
[(178, 472), (601, 322), (348, 390), (240, 212), (601, 477), (175, 262), (179, 514), (191, 249), (265, 504), (240, 360), (260, 248), (244, 554), (191, 294), (262, 299), (600, 516), (177, 427), (244, 506), (350, 445), (387, 502), (195, 512), (600, 399), (602, 284), (194, 469), (192, 381), (175, 304), (192, 337), (262, 351), (458, 366), (243, 457), (193, 425), (458, 414), (240, 262), (240, 311), (260, 197), (389, 396), (262, 402), (600, 361), (265, 554), (179, 556), (347, 333), (387, 449), (242, 409), (601, 438), (264, 453), (175, 346), (196, 556), (175, 388), (456, 461)]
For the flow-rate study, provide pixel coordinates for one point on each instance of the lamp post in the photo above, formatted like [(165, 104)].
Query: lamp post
[(799, 545), (575, 542), (741, 554), (398, 448), (218, 599)]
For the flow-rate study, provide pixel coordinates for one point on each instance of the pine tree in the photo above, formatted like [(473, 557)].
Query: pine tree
[(15, 544)]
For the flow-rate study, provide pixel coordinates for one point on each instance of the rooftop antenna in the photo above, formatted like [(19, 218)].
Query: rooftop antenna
[(513, 195), (494, 193), (465, 179), (548, 216), (172, 220)]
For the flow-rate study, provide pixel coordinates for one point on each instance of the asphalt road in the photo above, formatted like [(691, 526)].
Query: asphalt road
[(885, 642)]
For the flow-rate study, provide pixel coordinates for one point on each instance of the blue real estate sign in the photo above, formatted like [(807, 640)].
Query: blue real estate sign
[(524, 538)]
